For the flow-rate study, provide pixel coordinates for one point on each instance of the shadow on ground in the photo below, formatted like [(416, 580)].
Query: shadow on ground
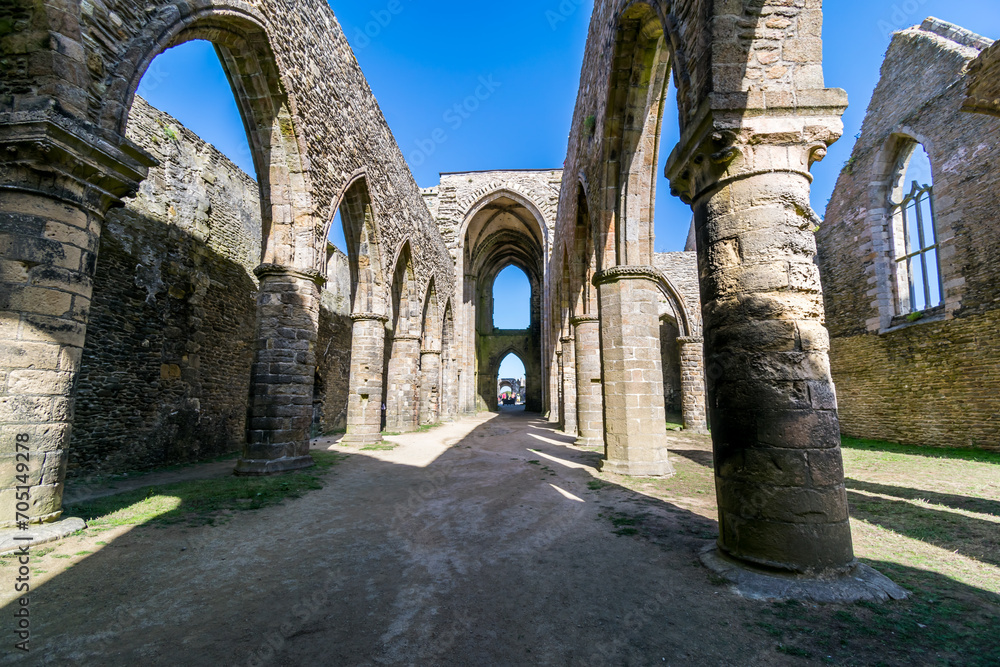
[(507, 549)]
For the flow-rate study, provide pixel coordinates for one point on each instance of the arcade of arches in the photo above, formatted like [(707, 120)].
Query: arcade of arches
[(397, 331)]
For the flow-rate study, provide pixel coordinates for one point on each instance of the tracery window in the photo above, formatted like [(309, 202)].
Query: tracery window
[(918, 281)]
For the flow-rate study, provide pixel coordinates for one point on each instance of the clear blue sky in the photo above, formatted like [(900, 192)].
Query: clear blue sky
[(428, 57)]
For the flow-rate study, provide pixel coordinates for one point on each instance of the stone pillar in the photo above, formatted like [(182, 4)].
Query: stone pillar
[(635, 419), (569, 385), (773, 408), (555, 389), (430, 387), (559, 385), (589, 392), (468, 372), (56, 185), (402, 397), (692, 352), (284, 370), (364, 405)]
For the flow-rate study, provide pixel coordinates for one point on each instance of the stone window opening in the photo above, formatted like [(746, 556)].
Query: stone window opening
[(918, 284)]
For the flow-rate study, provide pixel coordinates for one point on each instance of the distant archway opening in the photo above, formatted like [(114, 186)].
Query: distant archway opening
[(512, 389), (512, 300)]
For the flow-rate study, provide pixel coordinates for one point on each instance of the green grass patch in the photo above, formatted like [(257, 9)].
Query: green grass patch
[(429, 427), (380, 447), (891, 448), (201, 502)]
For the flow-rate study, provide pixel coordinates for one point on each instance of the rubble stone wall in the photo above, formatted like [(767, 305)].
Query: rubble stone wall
[(165, 375), (934, 381)]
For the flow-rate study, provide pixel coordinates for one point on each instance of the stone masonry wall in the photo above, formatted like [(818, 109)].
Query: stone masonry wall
[(166, 369), (936, 381)]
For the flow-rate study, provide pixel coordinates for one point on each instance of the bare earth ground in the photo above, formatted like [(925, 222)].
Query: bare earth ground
[(487, 542)]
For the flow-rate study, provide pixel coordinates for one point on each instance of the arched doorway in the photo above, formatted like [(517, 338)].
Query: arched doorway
[(511, 384), (504, 260)]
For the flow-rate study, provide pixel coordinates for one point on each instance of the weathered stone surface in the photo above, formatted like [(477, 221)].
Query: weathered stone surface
[(754, 117)]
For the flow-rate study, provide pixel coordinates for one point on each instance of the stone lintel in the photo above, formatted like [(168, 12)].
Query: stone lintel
[(278, 271), (89, 170)]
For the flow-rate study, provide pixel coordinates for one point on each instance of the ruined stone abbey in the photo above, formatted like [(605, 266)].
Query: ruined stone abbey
[(158, 305)]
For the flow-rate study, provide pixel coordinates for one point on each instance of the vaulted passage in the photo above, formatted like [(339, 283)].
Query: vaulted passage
[(505, 251)]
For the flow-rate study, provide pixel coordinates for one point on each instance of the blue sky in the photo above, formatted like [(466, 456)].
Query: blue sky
[(421, 59)]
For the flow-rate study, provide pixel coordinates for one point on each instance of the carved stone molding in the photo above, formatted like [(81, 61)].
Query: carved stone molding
[(54, 156), (370, 317), (690, 340), (757, 133), (584, 319), (278, 271), (619, 273)]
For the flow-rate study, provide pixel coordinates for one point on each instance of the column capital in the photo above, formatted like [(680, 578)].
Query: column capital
[(278, 271), (736, 136), (690, 340), (584, 319), (370, 317), (566, 340), (437, 353), (618, 273), (407, 338), (47, 153)]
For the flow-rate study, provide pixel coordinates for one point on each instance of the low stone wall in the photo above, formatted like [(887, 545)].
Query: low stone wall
[(923, 385)]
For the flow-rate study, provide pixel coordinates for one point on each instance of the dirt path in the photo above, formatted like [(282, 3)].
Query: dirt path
[(486, 542)]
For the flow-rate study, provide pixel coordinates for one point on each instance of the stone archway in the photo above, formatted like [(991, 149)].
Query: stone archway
[(749, 140), (503, 229), (67, 162)]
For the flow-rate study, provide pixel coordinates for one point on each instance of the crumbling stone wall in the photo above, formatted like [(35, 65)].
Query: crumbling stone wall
[(314, 128), (165, 375), (934, 381), (166, 369), (333, 354), (681, 269)]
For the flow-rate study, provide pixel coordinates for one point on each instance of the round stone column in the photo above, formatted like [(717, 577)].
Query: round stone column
[(589, 392), (569, 385), (46, 282), (284, 371), (56, 185), (430, 387), (692, 353), (772, 403), (635, 419), (557, 394), (404, 374), (364, 404)]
